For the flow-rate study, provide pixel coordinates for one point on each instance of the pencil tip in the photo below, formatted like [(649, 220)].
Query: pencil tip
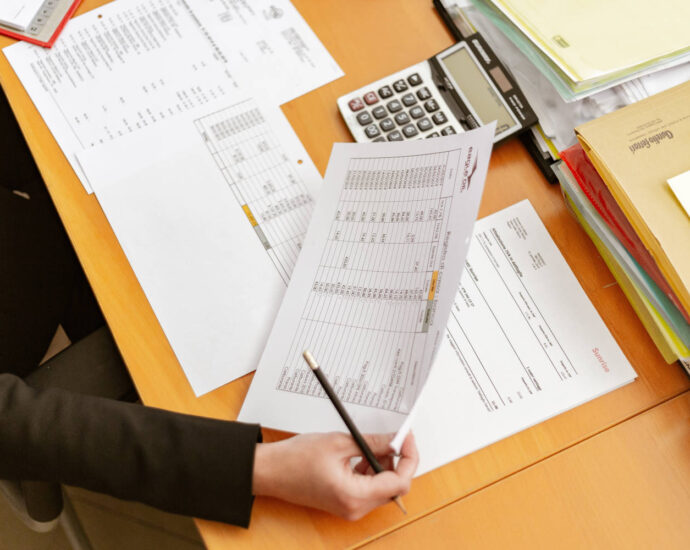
[(400, 504)]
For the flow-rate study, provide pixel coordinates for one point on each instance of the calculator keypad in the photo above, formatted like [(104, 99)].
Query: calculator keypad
[(423, 93), (402, 118), (405, 105), (387, 124), (409, 99), (410, 131), (400, 85), (379, 112), (394, 106), (364, 118), (356, 104), (425, 124), (372, 131), (385, 92), (439, 118), (414, 79), (370, 98)]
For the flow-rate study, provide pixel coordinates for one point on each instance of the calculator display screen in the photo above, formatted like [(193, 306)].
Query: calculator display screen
[(477, 89)]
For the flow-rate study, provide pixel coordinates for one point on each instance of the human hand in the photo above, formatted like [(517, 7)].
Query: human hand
[(314, 470)]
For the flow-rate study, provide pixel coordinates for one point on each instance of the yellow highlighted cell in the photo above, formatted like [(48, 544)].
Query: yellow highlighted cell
[(250, 216)]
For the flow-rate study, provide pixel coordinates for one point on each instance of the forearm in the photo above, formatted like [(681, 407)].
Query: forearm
[(184, 464)]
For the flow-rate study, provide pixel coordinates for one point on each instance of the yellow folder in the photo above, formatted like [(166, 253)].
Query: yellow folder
[(636, 150)]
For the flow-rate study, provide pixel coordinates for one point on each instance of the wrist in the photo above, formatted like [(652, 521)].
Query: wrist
[(261, 478)]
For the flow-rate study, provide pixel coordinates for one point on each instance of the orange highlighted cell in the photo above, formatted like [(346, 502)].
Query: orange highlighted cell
[(432, 286)]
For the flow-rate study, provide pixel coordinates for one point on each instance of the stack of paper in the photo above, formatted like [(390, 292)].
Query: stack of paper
[(558, 113), (17, 14), (622, 197), (585, 47)]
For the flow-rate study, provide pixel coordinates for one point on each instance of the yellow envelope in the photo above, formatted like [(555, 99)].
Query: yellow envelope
[(636, 150)]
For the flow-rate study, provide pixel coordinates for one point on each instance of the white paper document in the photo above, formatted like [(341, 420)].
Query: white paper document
[(373, 287), (134, 64), (18, 13), (523, 343), (680, 185), (211, 214)]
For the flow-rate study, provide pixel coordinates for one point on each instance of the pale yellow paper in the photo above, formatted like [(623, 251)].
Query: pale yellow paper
[(589, 39)]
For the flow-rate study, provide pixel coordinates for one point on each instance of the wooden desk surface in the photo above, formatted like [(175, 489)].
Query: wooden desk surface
[(369, 40)]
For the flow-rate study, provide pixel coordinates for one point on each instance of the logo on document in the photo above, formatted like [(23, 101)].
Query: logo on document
[(468, 170)]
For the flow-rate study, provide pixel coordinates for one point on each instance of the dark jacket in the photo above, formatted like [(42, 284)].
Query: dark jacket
[(184, 464)]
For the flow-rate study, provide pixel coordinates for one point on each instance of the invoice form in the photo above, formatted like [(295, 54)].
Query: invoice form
[(372, 289), (523, 343), (133, 64)]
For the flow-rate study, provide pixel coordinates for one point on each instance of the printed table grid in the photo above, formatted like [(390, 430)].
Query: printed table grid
[(367, 315), (272, 196)]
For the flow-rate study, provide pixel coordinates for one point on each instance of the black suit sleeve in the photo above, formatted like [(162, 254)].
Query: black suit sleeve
[(184, 464)]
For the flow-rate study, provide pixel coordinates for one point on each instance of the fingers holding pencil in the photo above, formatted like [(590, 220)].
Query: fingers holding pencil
[(363, 445), (380, 445)]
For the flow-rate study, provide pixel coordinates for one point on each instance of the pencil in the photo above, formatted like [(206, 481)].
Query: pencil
[(356, 435)]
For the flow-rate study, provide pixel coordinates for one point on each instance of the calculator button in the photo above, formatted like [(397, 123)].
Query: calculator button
[(372, 131), (410, 130), (356, 104), (379, 112), (414, 79), (439, 118), (380, 138), (433, 134), (33, 29), (387, 124), (394, 106), (385, 92), (424, 124), (370, 98), (402, 118), (364, 118), (416, 112), (423, 93), (431, 106), (448, 130), (395, 136), (400, 85), (408, 99)]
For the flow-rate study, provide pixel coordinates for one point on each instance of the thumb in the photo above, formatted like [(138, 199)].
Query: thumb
[(380, 444)]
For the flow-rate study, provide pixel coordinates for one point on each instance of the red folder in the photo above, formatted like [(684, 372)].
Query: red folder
[(48, 43), (601, 198)]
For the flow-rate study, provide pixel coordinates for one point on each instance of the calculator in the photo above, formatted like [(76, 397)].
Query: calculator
[(462, 87)]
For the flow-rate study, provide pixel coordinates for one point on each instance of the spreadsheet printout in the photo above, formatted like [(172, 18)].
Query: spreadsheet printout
[(523, 343), (372, 289), (211, 219), (133, 64)]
